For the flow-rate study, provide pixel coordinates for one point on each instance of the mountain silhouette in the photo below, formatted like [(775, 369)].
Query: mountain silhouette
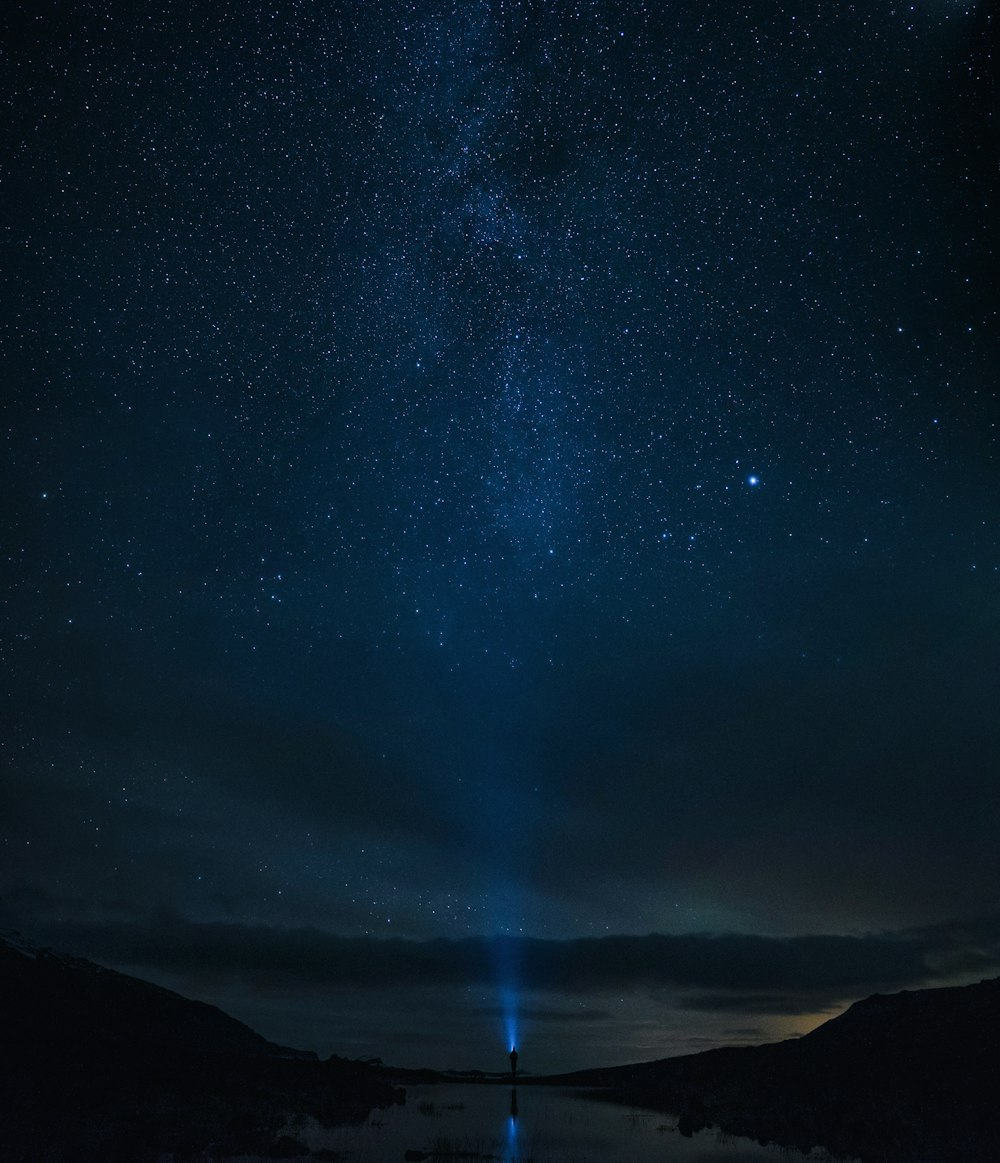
[(906, 1076), (99, 1065)]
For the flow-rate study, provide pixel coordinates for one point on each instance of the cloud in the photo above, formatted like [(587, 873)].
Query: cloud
[(551, 1014), (722, 973), (733, 789), (137, 717), (757, 778), (791, 1004)]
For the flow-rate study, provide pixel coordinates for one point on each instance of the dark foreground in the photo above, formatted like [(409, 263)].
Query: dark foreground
[(99, 1066), (95, 1065), (913, 1076)]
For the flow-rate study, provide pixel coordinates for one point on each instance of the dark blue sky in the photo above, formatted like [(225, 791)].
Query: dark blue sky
[(502, 467)]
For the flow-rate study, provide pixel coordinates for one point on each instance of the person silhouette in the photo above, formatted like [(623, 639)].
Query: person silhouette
[(513, 1062)]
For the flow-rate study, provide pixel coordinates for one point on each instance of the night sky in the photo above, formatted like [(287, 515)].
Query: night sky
[(502, 468)]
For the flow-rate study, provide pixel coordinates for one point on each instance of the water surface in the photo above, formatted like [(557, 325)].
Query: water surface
[(530, 1125)]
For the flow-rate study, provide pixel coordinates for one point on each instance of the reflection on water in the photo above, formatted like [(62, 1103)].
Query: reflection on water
[(510, 1147), (529, 1124)]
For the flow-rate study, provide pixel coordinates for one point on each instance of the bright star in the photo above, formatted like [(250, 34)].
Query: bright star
[(753, 481)]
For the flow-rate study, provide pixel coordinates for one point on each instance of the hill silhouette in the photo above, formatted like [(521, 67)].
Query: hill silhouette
[(96, 1064), (906, 1076), (99, 1065)]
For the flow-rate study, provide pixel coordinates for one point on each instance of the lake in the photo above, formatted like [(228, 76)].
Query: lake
[(548, 1125)]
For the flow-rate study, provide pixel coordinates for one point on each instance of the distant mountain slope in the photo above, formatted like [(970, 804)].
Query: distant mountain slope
[(912, 1075), (98, 1065), (56, 993)]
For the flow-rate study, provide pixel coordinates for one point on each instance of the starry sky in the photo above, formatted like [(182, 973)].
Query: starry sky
[(502, 495)]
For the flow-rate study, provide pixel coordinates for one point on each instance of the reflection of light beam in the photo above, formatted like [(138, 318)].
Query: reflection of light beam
[(510, 1147), (510, 1143)]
